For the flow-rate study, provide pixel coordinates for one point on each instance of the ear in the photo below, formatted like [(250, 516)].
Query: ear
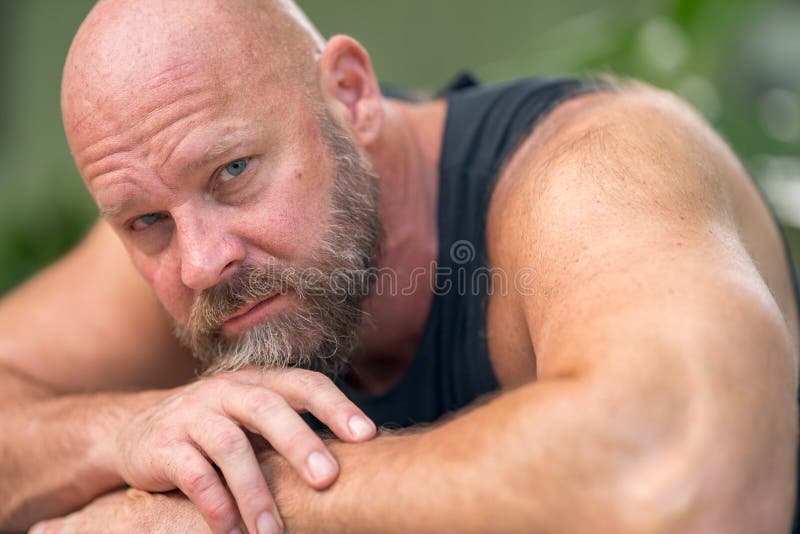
[(348, 83)]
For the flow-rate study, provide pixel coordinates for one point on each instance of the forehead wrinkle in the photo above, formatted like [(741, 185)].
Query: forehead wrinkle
[(159, 118), (108, 164), (162, 115), (171, 143), (171, 75), (115, 102)]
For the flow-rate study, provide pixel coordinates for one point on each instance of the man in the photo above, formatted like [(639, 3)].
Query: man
[(644, 345)]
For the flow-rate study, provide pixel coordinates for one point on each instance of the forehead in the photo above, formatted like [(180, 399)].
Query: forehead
[(164, 108), (115, 80), (109, 98), (160, 146)]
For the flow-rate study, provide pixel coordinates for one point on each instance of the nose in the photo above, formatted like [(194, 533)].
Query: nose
[(207, 249)]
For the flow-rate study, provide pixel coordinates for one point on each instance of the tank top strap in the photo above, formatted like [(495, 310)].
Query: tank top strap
[(451, 367)]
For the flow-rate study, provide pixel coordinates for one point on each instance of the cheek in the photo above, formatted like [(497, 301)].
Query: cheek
[(290, 223)]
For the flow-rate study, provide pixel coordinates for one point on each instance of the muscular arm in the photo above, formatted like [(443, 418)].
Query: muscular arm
[(665, 400), (84, 325), (73, 434)]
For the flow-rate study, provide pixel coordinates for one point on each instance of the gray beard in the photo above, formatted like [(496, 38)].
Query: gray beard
[(319, 332)]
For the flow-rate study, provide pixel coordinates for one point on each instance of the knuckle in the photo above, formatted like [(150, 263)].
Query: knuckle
[(312, 381), (164, 442), (257, 402), (248, 373), (278, 372), (165, 454), (183, 456), (268, 402), (230, 440), (219, 510), (198, 482), (213, 388), (258, 499), (226, 379), (173, 404), (216, 385)]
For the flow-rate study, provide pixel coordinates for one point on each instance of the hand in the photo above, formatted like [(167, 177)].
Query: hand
[(129, 511), (173, 444)]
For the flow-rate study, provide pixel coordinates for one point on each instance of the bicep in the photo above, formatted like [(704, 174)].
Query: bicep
[(645, 290), (90, 322), (630, 221)]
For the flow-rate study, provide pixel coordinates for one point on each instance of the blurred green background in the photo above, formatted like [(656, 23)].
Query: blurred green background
[(737, 61)]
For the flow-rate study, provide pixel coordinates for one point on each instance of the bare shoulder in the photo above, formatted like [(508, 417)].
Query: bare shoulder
[(632, 174), (628, 145)]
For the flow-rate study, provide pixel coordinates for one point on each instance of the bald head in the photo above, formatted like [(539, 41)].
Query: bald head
[(215, 135), (125, 48)]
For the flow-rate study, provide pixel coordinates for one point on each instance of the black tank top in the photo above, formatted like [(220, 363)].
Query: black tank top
[(451, 367)]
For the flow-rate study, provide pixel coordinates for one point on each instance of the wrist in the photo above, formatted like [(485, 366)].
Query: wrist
[(113, 412), (291, 493), (338, 507)]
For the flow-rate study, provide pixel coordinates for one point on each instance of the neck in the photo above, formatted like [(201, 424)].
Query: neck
[(406, 156)]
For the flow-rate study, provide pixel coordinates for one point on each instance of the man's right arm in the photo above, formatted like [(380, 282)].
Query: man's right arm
[(76, 337), (85, 325)]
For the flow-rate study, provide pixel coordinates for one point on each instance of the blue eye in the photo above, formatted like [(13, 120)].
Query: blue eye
[(146, 221), (233, 169), (150, 218)]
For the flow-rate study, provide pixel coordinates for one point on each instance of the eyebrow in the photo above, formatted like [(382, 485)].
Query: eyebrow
[(218, 148), (113, 210)]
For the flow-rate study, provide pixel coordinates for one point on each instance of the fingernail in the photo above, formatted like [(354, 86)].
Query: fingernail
[(266, 524), (38, 528), (321, 466), (236, 530), (360, 426)]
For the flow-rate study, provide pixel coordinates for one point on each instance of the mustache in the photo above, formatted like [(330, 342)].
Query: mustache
[(318, 334), (250, 284), (317, 330)]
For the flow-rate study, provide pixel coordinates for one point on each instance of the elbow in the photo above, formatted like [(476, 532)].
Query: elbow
[(718, 487), (701, 457), (700, 462)]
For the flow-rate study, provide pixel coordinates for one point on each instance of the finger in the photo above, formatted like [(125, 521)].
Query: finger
[(268, 414), (226, 444), (195, 477), (316, 393)]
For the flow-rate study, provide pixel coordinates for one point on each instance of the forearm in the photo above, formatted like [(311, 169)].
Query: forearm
[(513, 464), (53, 448), (544, 458)]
